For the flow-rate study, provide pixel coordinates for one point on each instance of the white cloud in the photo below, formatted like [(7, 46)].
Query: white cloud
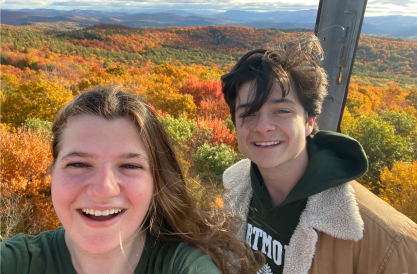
[(189, 5), (374, 7), (391, 7), (394, 2), (266, 5), (25, 3)]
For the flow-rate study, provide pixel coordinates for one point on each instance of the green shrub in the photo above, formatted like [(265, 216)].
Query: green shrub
[(119, 70), (35, 124), (229, 124), (382, 145), (180, 130), (211, 162), (404, 123)]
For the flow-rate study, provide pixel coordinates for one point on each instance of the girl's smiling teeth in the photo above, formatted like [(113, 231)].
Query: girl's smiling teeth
[(97, 212), (265, 144), (101, 215)]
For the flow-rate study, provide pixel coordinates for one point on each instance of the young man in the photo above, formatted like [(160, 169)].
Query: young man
[(296, 193)]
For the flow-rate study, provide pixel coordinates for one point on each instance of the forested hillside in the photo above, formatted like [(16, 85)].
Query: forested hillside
[(381, 61), (177, 71), (378, 61)]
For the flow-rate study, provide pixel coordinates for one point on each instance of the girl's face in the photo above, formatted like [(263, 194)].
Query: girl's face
[(102, 183)]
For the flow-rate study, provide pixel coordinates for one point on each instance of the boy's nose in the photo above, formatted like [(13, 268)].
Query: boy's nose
[(263, 124)]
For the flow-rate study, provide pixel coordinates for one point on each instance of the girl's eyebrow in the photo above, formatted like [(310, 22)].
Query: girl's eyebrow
[(79, 154), (129, 155)]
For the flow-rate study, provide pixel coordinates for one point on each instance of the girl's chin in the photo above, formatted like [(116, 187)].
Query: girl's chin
[(99, 244)]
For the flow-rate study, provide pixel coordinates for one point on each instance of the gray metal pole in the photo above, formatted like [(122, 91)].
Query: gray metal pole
[(338, 26)]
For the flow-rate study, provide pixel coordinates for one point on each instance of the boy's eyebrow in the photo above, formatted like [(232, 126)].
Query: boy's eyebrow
[(245, 105), (271, 102), (281, 100)]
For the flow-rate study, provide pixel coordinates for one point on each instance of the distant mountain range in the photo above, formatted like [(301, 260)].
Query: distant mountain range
[(399, 26)]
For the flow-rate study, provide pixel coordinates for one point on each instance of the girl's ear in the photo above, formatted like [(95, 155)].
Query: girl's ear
[(310, 125)]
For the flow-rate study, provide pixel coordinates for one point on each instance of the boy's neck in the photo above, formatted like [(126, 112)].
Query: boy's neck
[(280, 180)]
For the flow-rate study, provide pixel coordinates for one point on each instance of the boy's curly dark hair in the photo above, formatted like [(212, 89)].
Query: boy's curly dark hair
[(296, 64)]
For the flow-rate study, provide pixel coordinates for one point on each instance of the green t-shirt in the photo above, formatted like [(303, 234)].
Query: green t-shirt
[(48, 253), (334, 159)]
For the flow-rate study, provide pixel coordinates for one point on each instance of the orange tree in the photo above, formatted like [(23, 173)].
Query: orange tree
[(25, 186)]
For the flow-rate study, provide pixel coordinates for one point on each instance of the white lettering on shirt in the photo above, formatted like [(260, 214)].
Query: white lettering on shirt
[(277, 251), (273, 249), (249, 235), (266, 242), (258, 232)]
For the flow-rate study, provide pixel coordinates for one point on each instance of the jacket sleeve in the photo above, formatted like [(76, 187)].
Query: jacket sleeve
[(403, 258)]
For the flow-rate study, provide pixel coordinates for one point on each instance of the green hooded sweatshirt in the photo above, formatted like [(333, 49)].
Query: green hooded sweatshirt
[(47, 253), (334, 159)]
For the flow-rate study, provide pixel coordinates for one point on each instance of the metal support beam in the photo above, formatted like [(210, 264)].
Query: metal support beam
[(338, 27)]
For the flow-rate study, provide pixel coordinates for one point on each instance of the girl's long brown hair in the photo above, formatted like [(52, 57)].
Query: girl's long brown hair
[(173, 215)]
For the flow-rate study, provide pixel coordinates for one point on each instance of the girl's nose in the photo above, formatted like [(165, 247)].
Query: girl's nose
[(104, 184)]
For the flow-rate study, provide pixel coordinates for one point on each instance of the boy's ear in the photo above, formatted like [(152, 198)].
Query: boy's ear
[(310, 125)]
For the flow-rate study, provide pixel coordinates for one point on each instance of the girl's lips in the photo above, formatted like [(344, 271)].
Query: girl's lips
[(100, 221)]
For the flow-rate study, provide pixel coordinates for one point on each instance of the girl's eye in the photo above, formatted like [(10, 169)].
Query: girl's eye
[(77, 165), (128, 166)]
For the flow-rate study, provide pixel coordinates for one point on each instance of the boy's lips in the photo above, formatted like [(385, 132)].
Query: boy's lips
[(267, 144)]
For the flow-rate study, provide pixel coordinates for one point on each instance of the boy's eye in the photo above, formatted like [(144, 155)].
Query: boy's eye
[(245, 114), (282, 111)]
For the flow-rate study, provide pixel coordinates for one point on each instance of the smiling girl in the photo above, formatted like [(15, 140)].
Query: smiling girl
[(120, 195)]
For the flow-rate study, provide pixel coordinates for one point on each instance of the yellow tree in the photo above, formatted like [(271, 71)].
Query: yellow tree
[(399, 187), (159, 90), (34, 99), (363, 99)]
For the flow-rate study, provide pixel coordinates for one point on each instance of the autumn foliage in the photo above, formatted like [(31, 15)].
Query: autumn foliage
[(221, 134), (399, 187), (207, 96), (177, 72), (25, 159), (384, 121)]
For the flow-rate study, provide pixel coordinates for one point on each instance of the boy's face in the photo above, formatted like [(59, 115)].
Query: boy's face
[(275, 135)]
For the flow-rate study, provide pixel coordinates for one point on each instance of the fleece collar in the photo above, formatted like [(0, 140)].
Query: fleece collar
[(333, 212)]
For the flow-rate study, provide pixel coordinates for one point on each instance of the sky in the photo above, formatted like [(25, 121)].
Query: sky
[(374, 7)]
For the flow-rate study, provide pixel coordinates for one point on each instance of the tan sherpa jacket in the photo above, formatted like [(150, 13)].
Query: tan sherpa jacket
[(345, 229)]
